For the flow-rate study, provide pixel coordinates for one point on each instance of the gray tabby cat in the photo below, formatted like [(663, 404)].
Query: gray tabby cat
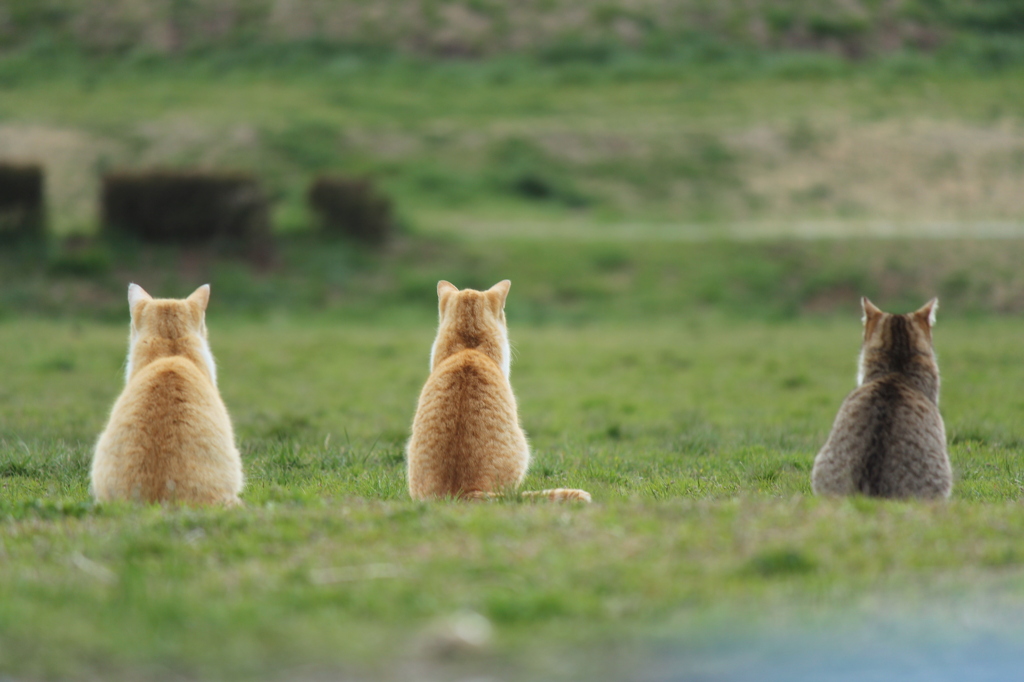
[(888, 439)]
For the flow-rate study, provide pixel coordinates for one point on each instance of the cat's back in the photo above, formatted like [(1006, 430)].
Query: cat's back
[(171, 394), (469, 384), (169, 436), (898, 436), (467, 409), (466, 436), (466, 439), (888, 439), (886, 410)]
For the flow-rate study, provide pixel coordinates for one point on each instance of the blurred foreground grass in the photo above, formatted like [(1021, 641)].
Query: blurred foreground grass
[(696, 438)]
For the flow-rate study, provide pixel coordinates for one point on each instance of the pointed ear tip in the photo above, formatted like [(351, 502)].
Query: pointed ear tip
[(444, 286), (868, 306), (135, 291)]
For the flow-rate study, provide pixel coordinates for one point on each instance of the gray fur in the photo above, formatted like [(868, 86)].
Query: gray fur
[(888, 439)]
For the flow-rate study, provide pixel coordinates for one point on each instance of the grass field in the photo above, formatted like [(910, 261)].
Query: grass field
[(557, 280), (684, 336), (695, 437)]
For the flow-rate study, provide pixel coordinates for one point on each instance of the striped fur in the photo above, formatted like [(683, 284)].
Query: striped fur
[(888, 439)]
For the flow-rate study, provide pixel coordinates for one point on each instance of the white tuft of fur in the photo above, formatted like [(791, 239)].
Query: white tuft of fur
[(204, 350), (137, 294), (506, 353), (128, 362), (433, 348), (133, 338)]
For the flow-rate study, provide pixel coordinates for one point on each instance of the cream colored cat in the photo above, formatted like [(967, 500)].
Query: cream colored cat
[(888, 439), (466, 439), (169, 438)]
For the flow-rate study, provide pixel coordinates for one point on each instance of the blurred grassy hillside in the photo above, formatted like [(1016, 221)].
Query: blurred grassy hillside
[(488, 117), (619, 140), (477, 148), (552, 29)]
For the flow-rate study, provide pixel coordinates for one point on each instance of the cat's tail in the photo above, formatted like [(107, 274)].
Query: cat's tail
[(480, 495), (553, 494), (560, 494)]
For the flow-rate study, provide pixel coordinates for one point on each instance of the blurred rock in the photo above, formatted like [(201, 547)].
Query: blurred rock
[(459, 634)]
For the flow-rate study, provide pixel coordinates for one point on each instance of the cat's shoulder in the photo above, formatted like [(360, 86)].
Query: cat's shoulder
[(469, 364)]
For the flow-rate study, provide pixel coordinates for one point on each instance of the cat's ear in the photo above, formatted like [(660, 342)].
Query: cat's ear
[(201, 297), (444, 292), (136, 295), (500, 290), (872, 314), (926, 313), (870, 309)]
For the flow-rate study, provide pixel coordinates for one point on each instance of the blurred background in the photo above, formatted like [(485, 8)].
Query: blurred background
[(342, 155)]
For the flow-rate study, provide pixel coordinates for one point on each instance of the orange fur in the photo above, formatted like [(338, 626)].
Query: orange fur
[(169, 437), (466, 439)]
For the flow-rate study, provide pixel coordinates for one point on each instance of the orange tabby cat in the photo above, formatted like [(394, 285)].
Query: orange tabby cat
[(888, 439), (169, 438), (466, 439)]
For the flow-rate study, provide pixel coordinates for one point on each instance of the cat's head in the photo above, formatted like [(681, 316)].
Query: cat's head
[(161, 323), (897, 343), (472, 319)]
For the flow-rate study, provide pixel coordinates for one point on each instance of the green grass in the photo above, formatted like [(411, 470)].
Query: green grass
[(695, 437), (685, 380), (555, 280), (554, 31)]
